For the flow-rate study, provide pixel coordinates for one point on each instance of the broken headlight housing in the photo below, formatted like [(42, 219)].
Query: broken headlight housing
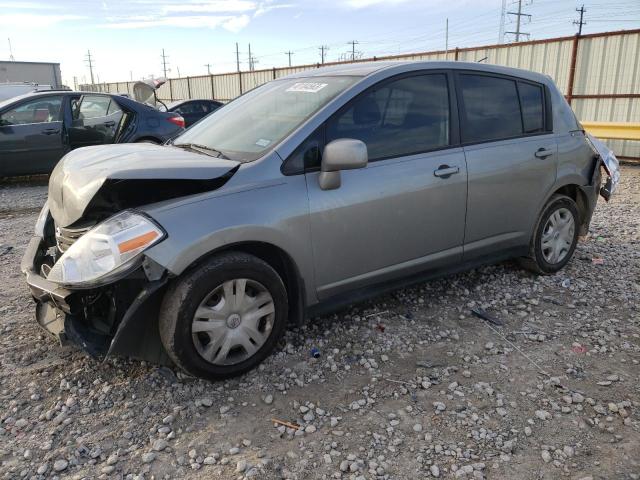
[(42, 220), (106, 251)]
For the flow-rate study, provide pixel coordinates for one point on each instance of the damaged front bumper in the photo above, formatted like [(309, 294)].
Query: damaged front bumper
[(115, 319)]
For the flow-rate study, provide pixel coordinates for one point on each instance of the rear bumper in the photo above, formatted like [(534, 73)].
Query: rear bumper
[(128, 328)]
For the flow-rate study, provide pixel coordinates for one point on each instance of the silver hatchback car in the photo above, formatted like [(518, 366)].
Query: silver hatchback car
[(305, 194)]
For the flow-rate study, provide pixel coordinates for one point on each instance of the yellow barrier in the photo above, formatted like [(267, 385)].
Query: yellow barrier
[(613, 130)]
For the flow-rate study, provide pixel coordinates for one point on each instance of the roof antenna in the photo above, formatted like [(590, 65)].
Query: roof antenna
[(11, 51), (482, 59)]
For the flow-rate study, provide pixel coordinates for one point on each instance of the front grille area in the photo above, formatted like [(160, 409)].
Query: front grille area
[(65, 237)]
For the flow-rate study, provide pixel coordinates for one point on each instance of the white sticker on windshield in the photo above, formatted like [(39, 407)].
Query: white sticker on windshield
[(308, 87), (263, 142)]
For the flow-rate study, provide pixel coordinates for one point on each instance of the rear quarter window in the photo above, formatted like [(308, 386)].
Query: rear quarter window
[(532, 107)]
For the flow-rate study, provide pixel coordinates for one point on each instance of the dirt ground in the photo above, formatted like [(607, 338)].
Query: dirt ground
[(408, 385)]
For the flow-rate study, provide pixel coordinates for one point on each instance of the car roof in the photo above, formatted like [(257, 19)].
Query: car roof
[(365, 69), (188, 100), (45, 93)]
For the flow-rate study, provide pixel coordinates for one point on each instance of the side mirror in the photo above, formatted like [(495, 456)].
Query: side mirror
[(341, 154)]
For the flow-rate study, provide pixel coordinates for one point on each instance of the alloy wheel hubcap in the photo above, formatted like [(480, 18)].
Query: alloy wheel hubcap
[(557, 236), (233, 321)]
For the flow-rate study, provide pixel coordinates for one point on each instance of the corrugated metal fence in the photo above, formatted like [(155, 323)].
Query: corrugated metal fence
[(599, 73)]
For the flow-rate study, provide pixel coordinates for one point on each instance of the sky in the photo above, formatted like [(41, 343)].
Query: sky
[(126, 38)]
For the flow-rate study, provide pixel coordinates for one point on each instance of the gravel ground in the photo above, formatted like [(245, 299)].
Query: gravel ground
[(409, 385)]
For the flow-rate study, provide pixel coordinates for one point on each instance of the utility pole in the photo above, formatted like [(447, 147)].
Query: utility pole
[(289, 53), (446, 39), (580, 23), (237, 57), (518, 33), (75, 83), (208, 65), (251, 59), (323, 49), (164, 63), (89, 61), (131, 75), (353, 44), (10, 51)]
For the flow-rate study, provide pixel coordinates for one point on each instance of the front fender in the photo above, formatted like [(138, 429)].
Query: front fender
[(276, 214)]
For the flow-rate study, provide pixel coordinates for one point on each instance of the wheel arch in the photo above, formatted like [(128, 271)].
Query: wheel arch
[(280, 261), (578, 195)]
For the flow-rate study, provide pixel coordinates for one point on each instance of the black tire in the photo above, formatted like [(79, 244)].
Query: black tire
[(187, 292), (535, 261)]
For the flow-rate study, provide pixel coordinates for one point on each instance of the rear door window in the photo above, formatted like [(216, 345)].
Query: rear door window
[(491, 108), (532, 107), (398, 118), (94, 106)]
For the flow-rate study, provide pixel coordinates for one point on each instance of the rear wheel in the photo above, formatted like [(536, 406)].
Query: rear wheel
[(555, 237), (224, 317)]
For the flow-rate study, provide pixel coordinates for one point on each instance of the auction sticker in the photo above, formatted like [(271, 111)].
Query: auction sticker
[(308, 87)]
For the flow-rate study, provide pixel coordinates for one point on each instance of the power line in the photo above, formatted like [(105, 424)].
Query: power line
[(89, 62), (580, 22)]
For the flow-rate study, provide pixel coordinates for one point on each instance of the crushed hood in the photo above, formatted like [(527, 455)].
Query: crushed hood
[(106, 179)]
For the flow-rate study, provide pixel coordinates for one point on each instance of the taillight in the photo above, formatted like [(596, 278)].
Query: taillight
[(179, 121)]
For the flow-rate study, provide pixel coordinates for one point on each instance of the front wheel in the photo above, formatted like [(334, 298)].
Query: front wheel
[(224, 317), (555, 237)]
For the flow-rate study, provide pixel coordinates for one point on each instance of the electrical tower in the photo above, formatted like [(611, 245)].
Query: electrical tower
[(164, 63), (518, 32), (580, 22), (289, 53), (89, 61), (323, 50)]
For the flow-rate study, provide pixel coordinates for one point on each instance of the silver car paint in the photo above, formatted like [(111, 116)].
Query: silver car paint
[(389, 219)]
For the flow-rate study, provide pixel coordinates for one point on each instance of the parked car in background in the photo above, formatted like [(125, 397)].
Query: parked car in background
[(305, 194), (36, 130), (193, 110), (15, 89)]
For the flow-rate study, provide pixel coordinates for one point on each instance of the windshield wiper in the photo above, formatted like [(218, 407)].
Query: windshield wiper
[(202, 149)]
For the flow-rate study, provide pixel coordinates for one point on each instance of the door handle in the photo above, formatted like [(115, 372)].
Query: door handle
[(110, 123), (445, 171), (50, 131), (543, 153)]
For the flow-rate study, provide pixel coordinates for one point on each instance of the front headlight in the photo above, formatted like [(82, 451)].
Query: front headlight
[(106, 251)]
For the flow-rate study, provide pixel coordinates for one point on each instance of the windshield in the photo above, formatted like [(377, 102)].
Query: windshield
[(252, 124)]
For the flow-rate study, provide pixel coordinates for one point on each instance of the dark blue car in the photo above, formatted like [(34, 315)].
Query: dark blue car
[(38, 129)]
